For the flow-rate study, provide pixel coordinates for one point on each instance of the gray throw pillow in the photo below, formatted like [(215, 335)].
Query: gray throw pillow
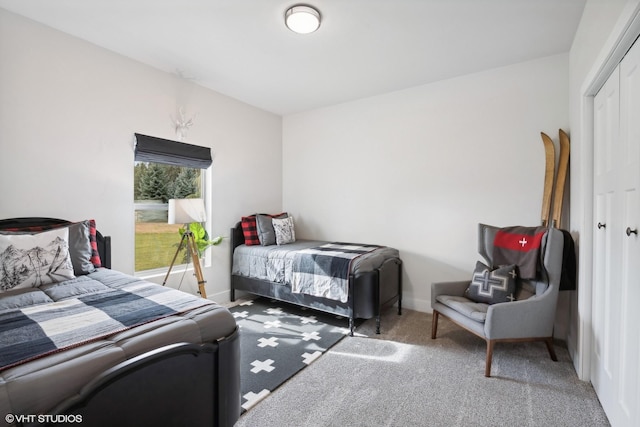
[(493, 286), (264, 224), (80, 248)]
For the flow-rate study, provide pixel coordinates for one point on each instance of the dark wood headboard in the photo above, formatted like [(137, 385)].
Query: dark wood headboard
[(237, 236), (104, 242)]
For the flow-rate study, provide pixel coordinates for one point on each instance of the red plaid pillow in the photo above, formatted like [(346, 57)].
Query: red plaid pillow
[(95, 255), (250, 230)]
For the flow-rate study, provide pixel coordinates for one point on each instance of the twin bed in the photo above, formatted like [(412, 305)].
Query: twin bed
[(369, 276), (95, 345)]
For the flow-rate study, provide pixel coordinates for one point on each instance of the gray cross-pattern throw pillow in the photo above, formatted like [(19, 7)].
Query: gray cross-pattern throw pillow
[(493, 286)]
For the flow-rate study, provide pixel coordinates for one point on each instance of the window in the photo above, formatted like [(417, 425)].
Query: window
[(163, 170), (154, 184)]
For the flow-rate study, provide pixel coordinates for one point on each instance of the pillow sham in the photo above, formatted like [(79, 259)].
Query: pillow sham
[(284, 230), (83, 246), (492, 286), (31, 260), (264, 223)]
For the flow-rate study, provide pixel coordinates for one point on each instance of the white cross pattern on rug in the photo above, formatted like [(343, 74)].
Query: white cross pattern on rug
[(272, 324), (273, 341), (307, 358), (308, 319), (259, 366), (250, 302), (241, 314), (253, 398), (270, 342), (307, 336)]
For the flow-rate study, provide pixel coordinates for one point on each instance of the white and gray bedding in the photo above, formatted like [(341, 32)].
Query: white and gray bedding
[(278, 264), (114, 317), (64, 314)]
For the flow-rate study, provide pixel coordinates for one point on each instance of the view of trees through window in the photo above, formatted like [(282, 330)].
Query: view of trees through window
[(154, 184)]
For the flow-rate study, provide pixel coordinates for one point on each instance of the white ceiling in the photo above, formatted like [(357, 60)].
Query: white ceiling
[(242, 49)]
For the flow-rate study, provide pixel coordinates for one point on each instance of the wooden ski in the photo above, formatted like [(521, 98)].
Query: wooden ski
[(563, 166), (549, 172)]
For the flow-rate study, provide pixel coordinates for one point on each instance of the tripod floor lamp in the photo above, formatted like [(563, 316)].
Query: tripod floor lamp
[(186, 211)]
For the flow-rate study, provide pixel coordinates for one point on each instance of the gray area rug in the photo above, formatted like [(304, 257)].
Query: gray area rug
[(277, 340), (404, 378)]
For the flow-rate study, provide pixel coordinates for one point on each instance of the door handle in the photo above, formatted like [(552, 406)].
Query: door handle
[(629, 231), (601, 225)]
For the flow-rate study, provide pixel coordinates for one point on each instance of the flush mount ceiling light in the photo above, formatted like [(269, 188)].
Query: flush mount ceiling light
[(302, 19)]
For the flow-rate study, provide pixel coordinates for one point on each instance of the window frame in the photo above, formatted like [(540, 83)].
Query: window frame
[(149, 150)]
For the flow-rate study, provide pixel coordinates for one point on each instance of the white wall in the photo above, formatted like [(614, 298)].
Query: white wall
[(68, 112), (419, 169), (602, 24)]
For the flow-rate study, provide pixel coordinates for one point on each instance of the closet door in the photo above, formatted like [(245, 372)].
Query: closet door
[(616, 292), (606, 289), (629, 393)]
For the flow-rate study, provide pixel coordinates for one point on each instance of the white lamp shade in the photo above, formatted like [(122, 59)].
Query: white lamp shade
[(185, 211), (302, 19)]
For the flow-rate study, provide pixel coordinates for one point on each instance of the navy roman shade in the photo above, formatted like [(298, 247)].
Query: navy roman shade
[(158, 150)]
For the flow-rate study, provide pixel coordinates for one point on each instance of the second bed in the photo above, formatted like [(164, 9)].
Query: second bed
[(312, 274)]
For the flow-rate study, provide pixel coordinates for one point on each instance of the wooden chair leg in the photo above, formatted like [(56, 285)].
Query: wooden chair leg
[(434, 324), (552, 352), (487, 369)]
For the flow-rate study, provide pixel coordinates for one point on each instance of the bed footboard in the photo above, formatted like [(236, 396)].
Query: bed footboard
[(374, 291), (184, 384)]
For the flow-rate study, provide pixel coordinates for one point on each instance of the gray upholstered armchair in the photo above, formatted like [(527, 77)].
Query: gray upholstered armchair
[(528, 315)]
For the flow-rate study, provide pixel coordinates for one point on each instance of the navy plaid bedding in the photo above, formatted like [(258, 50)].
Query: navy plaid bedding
[(324, 270), (34, 331)]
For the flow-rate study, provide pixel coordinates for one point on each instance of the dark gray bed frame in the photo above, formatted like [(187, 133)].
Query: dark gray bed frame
[(175, 385), (369, 292)]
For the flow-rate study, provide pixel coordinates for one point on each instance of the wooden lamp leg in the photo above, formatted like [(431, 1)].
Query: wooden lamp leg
[(173, 261), (196, 265), (193, 250)]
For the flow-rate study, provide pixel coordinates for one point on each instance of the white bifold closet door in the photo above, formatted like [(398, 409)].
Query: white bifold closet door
[(615, 359)]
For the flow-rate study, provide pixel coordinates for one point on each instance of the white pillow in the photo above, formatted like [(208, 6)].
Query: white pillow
[(285, 233), (31, 260)]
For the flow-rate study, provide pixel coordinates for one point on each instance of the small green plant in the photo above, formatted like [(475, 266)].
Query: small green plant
[(201, 237)]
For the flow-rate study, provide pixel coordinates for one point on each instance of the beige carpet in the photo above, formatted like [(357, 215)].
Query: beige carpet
[(404, 378)]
